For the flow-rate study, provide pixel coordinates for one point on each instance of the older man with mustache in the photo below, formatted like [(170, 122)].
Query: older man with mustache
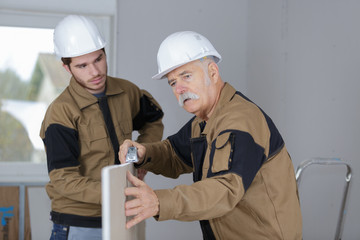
[(244, 182)]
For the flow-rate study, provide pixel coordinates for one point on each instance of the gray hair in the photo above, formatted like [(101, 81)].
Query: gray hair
[(204, 63)]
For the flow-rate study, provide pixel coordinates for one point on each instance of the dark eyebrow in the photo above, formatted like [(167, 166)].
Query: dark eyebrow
[(80, 64), (99, 57)]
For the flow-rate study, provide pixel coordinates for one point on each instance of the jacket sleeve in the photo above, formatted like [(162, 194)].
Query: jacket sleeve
[(62, 150), (234, 159), (203, 200), (148, 121), (206, 199), (161, 159)]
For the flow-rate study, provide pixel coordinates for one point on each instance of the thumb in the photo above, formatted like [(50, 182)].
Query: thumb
[(133, 180), (123, 149)]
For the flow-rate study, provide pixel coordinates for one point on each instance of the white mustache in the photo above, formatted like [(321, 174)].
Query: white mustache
[(187, 95)]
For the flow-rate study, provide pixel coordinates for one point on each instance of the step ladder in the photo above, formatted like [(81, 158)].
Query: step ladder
[(326, 162)]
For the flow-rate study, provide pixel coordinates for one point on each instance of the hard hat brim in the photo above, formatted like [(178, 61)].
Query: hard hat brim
[(163, 74), (77, 54)]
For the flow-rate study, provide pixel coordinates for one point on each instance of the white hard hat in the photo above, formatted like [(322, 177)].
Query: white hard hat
[(180, 48), (75, 36)]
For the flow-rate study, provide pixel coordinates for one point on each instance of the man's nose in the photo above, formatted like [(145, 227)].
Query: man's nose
[(180, 88), (94, 70)]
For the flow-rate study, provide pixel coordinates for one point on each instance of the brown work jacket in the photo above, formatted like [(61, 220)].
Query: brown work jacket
[(244, 181), (78, 144)]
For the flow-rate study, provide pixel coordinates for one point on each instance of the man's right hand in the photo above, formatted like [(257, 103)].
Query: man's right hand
[(141, 150), (144, 203)]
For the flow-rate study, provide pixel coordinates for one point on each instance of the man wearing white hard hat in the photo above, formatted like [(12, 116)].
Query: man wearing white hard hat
[(244, 181), (84, 126)]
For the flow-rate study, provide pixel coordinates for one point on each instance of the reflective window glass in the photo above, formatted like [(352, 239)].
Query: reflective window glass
[(31, 77)]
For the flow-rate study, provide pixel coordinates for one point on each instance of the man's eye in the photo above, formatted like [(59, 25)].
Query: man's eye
[(187, 76), (82, 66), (172, 84)]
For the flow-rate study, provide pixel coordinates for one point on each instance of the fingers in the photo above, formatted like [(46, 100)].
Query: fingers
[(132, 204), (133, 180), (135, 220), (124, 149), (145, 203), (133, 211), (141, 151)]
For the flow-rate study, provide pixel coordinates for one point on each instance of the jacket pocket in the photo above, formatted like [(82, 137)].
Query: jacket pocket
[(222, 155), (93, 139), (97, 133), (92, 133)]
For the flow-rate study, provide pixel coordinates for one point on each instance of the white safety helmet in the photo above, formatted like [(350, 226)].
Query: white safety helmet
[(75, 36), (180, 48)]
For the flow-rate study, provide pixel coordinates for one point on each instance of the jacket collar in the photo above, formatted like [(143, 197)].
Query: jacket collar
[(113, 87), (84, 99), (226, 94)]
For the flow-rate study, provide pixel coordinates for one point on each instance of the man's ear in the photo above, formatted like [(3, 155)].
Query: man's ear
[(67, 68), (213, 71)]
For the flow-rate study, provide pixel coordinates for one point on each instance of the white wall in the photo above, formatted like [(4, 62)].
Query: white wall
[(303, 70), (142, 26)]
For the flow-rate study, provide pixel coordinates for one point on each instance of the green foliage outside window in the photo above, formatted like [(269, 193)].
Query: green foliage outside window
[(14, 141)]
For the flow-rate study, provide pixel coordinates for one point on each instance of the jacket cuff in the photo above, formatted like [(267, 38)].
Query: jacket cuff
[(166, 204), (150, 147)]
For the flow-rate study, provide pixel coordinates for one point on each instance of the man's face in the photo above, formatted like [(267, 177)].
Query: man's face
[(192, 87), (90, 71)]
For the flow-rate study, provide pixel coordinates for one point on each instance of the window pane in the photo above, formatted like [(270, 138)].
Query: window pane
[(30, 78)]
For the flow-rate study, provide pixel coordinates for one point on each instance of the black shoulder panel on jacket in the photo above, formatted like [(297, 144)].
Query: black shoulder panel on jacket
[(181, 143), (149, 112), (276, 141), (245, 157), (62, 147)]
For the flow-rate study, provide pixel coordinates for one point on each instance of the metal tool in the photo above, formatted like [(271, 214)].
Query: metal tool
[(131, 155)]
